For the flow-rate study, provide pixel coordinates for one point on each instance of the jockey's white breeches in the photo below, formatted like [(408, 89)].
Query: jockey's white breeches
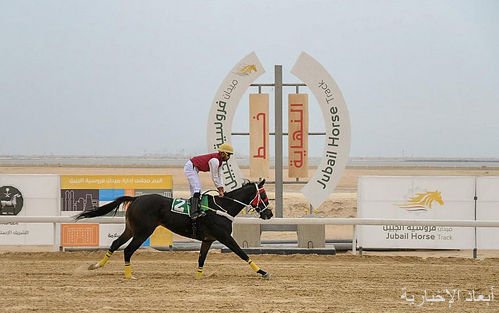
[(192, 174)]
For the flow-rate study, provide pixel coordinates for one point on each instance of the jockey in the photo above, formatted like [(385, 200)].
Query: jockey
[(212, 163)]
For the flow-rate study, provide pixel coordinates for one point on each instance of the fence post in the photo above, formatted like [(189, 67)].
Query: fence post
[(314, 234), (54, 246), (354, 240), (278, 141), (247, 235)]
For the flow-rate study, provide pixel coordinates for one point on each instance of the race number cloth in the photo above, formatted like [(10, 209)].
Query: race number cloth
[(183, 206)]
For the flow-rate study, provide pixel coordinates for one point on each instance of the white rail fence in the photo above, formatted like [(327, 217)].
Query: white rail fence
[(55, 220)]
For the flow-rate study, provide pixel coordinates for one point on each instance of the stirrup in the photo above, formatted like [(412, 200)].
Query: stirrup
[(195, 215)]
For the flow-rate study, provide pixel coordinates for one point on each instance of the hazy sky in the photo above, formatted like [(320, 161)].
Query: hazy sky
[(420, 78)]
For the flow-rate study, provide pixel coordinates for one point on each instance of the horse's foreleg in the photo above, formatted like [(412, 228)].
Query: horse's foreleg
[(234, 247), (124, 237), (205, 247)]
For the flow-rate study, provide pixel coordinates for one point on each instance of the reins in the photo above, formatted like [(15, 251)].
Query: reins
[(223, 212), (257, 200)]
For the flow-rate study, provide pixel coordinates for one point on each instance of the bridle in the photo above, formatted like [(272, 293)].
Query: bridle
[(254, 204)]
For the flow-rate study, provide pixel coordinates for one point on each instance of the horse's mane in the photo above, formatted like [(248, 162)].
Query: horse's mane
[(246, 182), (425, 199)]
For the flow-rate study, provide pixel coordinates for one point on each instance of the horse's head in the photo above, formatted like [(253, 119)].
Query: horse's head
[(251, 68), (437, 196), (261, 202)]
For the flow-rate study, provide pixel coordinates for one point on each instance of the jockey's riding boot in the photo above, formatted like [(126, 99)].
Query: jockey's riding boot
[(195, 206)]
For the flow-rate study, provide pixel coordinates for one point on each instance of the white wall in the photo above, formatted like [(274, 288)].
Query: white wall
[(382, 197), (41, 194), (487, 191)]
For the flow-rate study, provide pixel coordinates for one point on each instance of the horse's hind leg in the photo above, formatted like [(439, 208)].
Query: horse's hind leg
[(123, 238), (136, 242)]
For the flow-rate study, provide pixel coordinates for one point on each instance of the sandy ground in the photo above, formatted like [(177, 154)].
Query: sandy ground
[(59, 282)]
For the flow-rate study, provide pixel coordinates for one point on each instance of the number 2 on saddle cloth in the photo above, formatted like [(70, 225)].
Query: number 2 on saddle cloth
[(183, 206)]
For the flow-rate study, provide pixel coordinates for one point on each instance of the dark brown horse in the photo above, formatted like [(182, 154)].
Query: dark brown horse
[(146, 212)]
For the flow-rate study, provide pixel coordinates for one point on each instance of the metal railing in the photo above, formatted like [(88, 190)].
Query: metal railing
[(55, 220)]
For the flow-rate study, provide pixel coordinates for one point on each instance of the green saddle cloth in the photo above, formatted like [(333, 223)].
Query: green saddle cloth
[(183, 206)]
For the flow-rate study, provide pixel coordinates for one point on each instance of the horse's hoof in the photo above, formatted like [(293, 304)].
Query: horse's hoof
[(94, 266), (266, 275), (131, 277)]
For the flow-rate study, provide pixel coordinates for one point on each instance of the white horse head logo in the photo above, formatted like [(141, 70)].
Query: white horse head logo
[(12, 202)]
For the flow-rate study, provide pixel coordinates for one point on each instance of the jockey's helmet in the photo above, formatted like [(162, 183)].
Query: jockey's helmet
[(226, 148)]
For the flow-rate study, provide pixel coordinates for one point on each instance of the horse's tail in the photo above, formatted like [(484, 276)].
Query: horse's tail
[(105, 209)]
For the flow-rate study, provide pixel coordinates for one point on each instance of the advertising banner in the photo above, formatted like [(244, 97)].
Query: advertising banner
[(28, 195), (161, 237), (298, 135), (259, 135), (79, 235), (83, 192), (487, 208), (446, 198), (109, 233)]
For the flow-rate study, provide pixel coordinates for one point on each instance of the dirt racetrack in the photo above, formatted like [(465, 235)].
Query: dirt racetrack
[(60, 282)]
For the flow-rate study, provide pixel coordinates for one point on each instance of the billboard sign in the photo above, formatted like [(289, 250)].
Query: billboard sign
[(28, 195), (445, 198)]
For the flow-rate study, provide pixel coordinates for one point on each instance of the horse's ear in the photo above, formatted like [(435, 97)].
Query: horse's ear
[(260, 184)]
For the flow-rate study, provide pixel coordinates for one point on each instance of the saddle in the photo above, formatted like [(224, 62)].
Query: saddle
[(183, 206)]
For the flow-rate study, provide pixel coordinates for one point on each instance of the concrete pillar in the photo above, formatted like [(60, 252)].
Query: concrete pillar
[(311, 236), (246, 235)]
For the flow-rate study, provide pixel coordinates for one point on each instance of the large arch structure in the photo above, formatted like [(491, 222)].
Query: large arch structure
[(334, 110)]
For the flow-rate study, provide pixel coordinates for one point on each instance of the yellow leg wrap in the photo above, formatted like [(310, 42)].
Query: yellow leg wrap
[(253, 265), (199, 274), (128, 271), (105, 259)]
